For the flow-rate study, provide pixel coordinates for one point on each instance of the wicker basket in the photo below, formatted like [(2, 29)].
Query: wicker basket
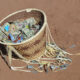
[(34, 47)]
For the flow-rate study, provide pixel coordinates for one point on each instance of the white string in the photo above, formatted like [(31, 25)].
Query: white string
[(54, 41), (16, 69)]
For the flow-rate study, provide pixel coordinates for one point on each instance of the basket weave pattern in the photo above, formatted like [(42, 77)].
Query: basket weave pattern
[(34, 48)]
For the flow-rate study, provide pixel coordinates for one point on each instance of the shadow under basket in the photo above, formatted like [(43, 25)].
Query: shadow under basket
[(34, 47)]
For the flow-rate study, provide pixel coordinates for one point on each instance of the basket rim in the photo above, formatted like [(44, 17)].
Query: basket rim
[(27, 10)]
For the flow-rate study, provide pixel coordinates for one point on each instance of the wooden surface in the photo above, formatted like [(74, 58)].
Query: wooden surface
[(64, 21)]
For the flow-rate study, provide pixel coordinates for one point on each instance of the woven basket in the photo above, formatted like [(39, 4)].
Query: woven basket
[(34, 47)]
